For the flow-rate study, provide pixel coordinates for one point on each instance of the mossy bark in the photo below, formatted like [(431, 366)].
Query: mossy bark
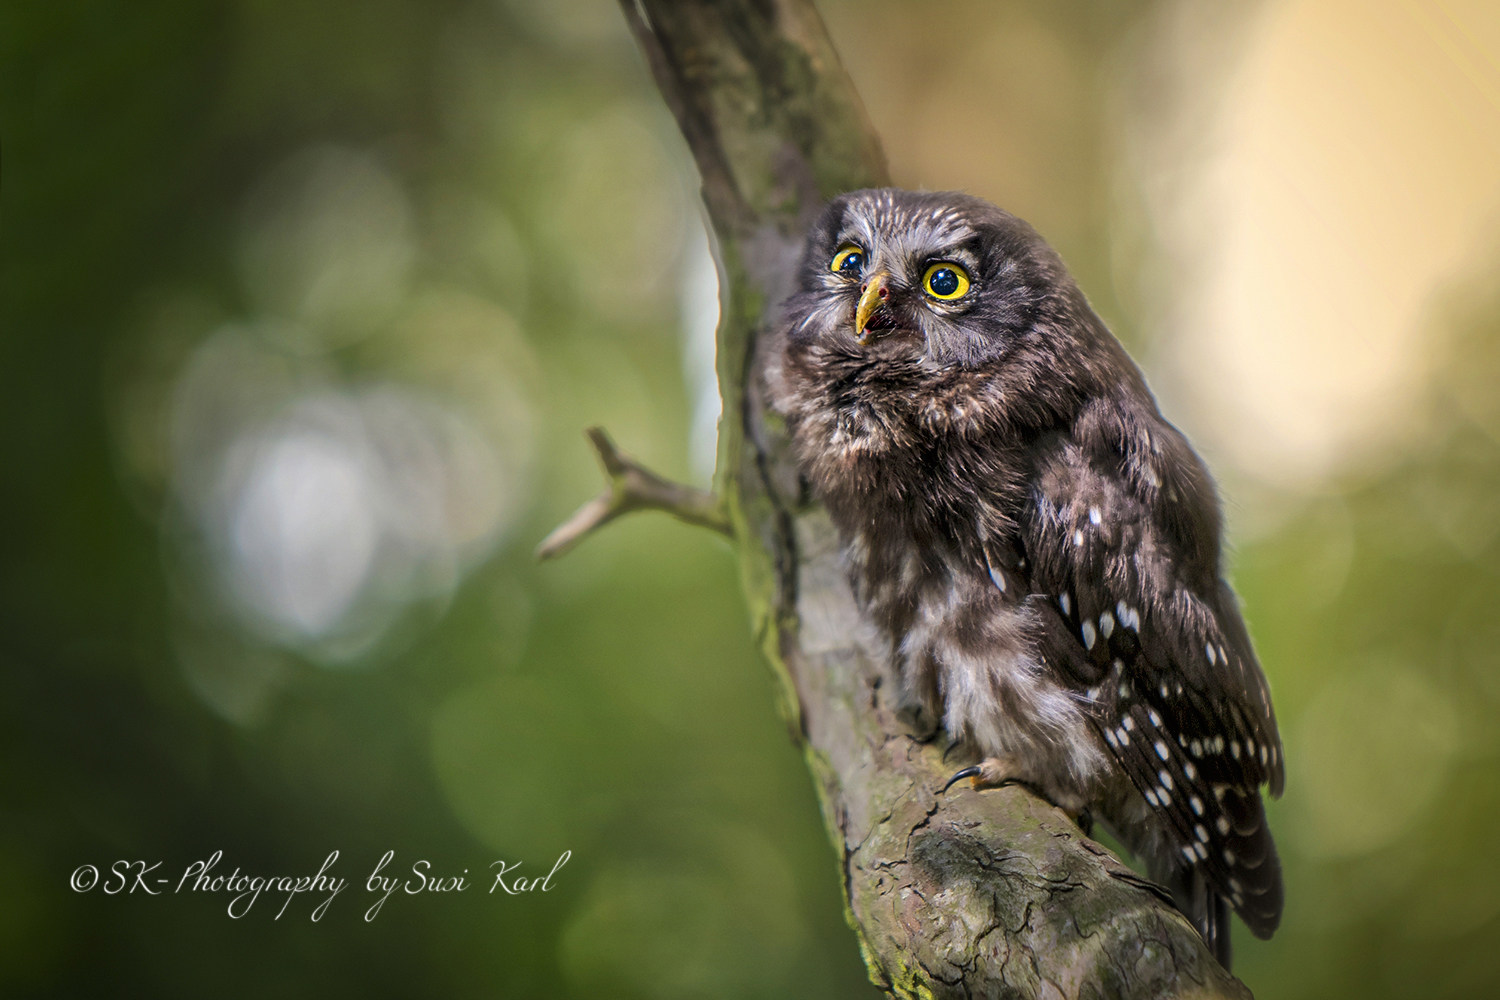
[(964, 894)]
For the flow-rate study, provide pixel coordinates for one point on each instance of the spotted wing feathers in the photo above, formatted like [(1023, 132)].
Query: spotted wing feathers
[(1157, 647)]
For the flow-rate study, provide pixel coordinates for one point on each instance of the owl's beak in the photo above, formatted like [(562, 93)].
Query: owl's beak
[(873, 294)]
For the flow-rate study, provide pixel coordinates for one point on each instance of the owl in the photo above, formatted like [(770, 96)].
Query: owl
[(1040, 548)]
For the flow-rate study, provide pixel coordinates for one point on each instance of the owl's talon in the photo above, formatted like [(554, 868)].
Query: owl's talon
[(972, 771), (951, 747), (1085, 821)]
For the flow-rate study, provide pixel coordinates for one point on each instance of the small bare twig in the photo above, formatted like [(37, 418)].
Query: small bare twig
[(631, 488)]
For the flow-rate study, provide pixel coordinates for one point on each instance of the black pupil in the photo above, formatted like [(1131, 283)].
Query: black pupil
[(853, 262), (944, 281)]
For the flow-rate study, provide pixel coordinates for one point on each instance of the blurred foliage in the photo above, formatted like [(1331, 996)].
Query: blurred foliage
[(412, 250)]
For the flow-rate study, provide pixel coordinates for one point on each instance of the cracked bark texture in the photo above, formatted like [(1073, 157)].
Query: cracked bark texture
[(964, 894)]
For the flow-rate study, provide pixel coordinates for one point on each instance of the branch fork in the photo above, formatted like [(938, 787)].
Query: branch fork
[(633, 487)]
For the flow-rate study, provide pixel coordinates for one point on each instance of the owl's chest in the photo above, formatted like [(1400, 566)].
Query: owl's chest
[(913, 481)]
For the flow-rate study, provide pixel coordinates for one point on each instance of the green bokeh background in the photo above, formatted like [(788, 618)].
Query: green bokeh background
[(610, 704)]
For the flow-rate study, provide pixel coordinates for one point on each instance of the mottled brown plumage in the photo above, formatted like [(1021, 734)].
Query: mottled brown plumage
[(1040, 547)]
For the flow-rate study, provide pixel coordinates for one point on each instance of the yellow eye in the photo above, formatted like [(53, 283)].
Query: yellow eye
[(945, 280), (849, 260)]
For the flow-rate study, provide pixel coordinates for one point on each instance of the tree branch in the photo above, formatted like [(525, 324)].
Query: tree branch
[(964, 894), (632, 487)]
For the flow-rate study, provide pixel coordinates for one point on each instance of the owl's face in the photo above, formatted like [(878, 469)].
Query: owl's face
[(940, 279)]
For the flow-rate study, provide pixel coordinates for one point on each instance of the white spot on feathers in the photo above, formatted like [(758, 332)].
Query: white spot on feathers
[(1164, 778), (1088, 635), (1197, 805), (1223, 825), (1151, 798), (1078, 538), (1094, 515), (1200, 833), (1212, 657), (1161, 750), (1187, 852), (1066, 602), (1202, 851), (1106, 624)]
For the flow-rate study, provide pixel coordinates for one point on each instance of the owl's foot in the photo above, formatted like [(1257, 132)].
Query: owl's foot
[(997, 772), (1085, 821), (992, 772)]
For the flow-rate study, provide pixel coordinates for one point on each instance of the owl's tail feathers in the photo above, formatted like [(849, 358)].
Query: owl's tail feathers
[(1213, 924), (1250, 886), (1252, 879)]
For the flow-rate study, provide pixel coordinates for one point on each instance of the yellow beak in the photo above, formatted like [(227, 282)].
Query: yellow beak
[(876, 291)]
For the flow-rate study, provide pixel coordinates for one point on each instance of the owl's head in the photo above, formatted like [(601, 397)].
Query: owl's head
[(942, 279)]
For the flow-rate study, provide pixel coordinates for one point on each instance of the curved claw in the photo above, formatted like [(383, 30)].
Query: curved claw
[(972, 771), (952, 747)]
